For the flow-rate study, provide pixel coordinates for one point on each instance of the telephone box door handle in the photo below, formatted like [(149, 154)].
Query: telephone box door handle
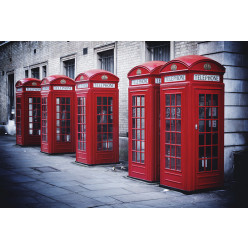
[(196, 126)]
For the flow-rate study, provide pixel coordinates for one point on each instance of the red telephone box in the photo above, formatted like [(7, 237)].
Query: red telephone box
[(143, 142), (28, 112), (58, 121), (192, 123), (98, 117)]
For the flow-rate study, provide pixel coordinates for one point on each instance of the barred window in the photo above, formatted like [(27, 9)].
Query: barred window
[(69, 68), (35, 72), (158, 50), (106, 59)]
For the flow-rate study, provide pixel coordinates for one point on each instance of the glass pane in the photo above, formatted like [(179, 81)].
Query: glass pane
[(167, 139), (110, 101), (142, 100), (201, 165), (138, 134), (178, 122), (208, 165), (167, 101), (30, 100), (142, 157), (208, 139), (178, 163), (201, 152), (208, 113), (201, 126), (138, 112), (178, 138), (172, 138), (173, 160), (134, 101), (138, 100), (215, 151), (208, 100), (215, 100), (133, 134), (173, 113), (214, 164), (178, 113), (208, 127), (173, 126), (201, 139), (167, 150), (178, 100), (173, 100), (138, 156), (173, 151), (208, 151), (178, 151), (104, 99), (167, 128), (215, 125), (215, 138), (99, 101), (133, 156), (167, 112), (142, 112), (215, 113), (167, 163), (201, 100), (201, 113)]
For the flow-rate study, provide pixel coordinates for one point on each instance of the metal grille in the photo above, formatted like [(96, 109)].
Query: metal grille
[(159, 50), (107, 60)]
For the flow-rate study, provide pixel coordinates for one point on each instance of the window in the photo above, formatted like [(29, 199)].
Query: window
[(106, 59), (26, 73), (35, 73), (69, 68), (158, 50), (44, 71), (18, 116), (11, 95), (138, 129), (173, 132), (104, 123), (208, 132), (85, 51), (63, 119), (34, 115), (44, 119), (82, 123)]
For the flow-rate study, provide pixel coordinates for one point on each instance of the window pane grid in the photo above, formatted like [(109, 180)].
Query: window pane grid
[(138, 129), (173, 131), (18, 116), (104, 123), (63, 119), (81, 123), (208, 132), (34, 115), (44, 118)]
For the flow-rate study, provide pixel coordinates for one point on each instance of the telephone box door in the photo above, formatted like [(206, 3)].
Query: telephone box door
[(209, 128), (172, 138)]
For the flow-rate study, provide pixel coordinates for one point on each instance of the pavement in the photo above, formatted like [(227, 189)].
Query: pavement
[(31, 179)]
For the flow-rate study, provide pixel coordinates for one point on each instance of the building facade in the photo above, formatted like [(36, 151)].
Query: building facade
[(39, 59)]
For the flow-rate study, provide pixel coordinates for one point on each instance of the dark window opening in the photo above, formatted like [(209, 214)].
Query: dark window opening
[(69, 68), (159, 50), (26, 73), (107, 60), (11, 95), (44, 71), (85, 51), (35, 72)]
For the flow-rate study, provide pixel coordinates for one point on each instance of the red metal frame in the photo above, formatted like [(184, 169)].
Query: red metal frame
[(97, 117), (28, 112), (58, 122), (202, 124), (143, 122)]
